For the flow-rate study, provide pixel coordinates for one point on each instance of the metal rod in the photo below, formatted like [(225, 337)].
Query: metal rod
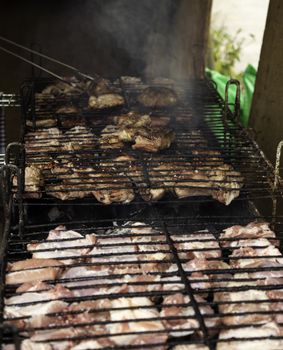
[(32, 63), (34, 52)]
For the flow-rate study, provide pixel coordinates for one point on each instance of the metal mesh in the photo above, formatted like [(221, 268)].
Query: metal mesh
[(156, 283)]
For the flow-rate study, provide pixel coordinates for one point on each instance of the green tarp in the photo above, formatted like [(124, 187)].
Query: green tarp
[(247, 89)]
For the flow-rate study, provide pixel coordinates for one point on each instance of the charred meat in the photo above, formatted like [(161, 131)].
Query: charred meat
[(158, 97)]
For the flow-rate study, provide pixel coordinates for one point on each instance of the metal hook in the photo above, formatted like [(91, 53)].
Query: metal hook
[(236, 113)]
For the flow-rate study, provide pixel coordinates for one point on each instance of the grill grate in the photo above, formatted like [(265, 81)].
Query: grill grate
[(164, 278), (215, 157)]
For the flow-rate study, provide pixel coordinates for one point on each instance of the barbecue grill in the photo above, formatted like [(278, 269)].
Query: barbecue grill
[(139, 282)]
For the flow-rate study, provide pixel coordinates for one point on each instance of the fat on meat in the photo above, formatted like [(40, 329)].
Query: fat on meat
[(200, 245), (33, 270), (135, 313), (62, 243), (253, 230), (244, 301), (188, 324), (229, 338)]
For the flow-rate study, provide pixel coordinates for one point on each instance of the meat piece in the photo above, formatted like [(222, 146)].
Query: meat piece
[(245, 302), (222, 183), (197, 280), (54, 293), (85, 281), (33, 287), (188, 324), (133, 312), (247, 255), (129, 80), (130, 167), (151, 244), (33, 270), (43, 140), (158, 97), (229, 338), (253, 243), (53, 334), (42, 123), (253, 230), (109, 138), (70, 86), (190, 347), (68, 109), (79, 138), (27, 344), (66, 191), (200, 245), (34, 181), (68, 123), (88, 344), (133, 119), (159, 121), (112, 188), (92, 305), (153, 139), (112, 249), (109, 100), (265, 269), (214, 270), (142, 283), (61, 244), (35, 309)]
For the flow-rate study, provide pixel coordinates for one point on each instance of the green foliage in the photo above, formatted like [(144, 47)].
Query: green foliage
[(225, 51)]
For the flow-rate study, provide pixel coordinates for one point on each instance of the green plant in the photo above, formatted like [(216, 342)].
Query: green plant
[(225, 51)]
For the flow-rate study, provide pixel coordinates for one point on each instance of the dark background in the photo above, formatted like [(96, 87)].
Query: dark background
[(109, 37)]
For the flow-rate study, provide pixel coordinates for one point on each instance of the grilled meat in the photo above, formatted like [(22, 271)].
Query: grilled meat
[(112, 188), (133, 120), (69, 123), (245, 307), (153, 139), (177, 305), (222, 183), (79, 138), (158, 97), (109, 138), (136, 173), (61, 244), (43, 140), (43, 123), (253, 230), (238, 338), (190, 347), (209, 272), (35, 309), (200, 245), (68, 109), (247, 255), (70, 85), (33, 270), (53, 293), (34, 181), (108, 100), (136, 325)]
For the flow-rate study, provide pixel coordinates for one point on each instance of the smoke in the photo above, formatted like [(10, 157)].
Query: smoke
[(109, 37), (145, 30)]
